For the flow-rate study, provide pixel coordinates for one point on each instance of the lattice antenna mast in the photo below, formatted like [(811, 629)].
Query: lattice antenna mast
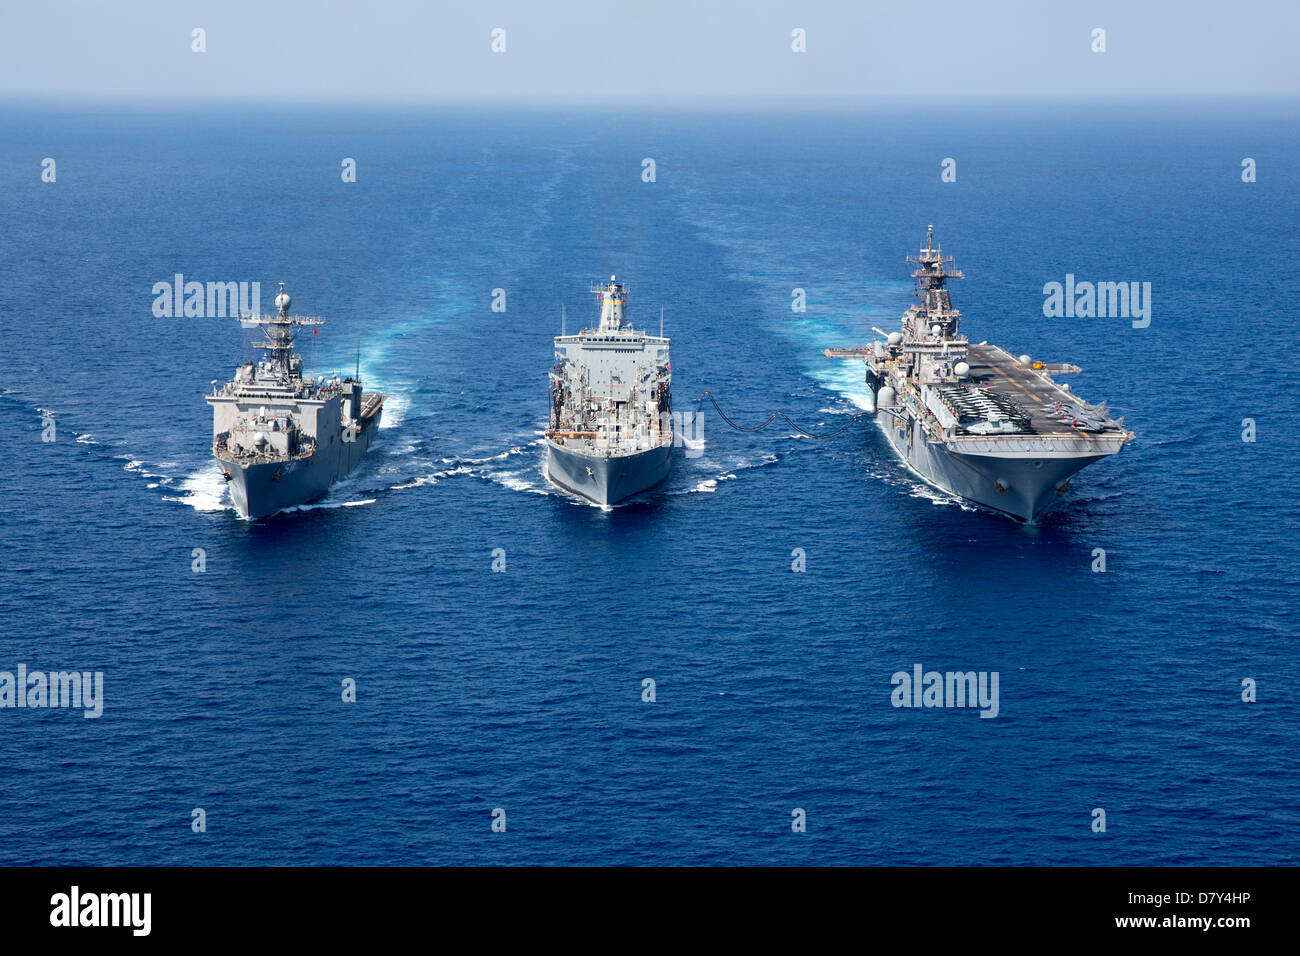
[(280, 330), (933, 269)]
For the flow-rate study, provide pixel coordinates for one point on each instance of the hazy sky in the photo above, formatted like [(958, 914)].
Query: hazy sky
[(646, 51)]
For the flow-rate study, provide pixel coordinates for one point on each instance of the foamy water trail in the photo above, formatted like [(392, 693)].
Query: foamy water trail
[(732, 472), (515, 481), (846, 379), (328, 505), (205, 490), (396, 407)]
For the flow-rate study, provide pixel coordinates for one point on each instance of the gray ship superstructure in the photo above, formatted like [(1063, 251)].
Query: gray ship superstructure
[(610, 434), (281, 439), (974, 420)]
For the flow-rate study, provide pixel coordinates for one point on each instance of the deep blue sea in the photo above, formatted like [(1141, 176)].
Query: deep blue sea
[(522, 690)]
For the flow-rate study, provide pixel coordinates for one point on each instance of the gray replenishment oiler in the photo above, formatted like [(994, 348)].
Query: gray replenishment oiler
[(610, 434), (281, 439), (973, 420)]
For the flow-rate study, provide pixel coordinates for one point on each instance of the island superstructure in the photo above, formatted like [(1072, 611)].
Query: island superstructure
[(610, 435), (972, 419), (281, 439)]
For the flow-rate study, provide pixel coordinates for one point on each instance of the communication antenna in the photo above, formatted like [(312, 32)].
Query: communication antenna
[(562, 318), (661, 321)]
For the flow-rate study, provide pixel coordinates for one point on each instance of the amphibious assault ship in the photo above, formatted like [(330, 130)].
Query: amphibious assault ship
[(282, 439), (610, 434), (974, 420)]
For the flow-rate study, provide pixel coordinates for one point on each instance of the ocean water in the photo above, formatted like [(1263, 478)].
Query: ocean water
[(522, 690)]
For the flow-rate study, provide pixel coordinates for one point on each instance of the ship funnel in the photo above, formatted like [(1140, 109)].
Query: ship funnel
[(612, 299)]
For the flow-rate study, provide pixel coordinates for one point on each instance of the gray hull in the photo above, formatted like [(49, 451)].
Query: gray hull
[(607, 481), (1023, 487), (263, 488)]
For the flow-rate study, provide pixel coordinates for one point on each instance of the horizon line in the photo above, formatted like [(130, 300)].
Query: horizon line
[(809, 102)]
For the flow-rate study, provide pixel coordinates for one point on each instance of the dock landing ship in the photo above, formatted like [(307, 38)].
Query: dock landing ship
[(610, 434), (281, 439), (974, 420)]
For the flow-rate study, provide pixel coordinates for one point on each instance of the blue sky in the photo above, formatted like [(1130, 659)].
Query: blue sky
[(645, 52)]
